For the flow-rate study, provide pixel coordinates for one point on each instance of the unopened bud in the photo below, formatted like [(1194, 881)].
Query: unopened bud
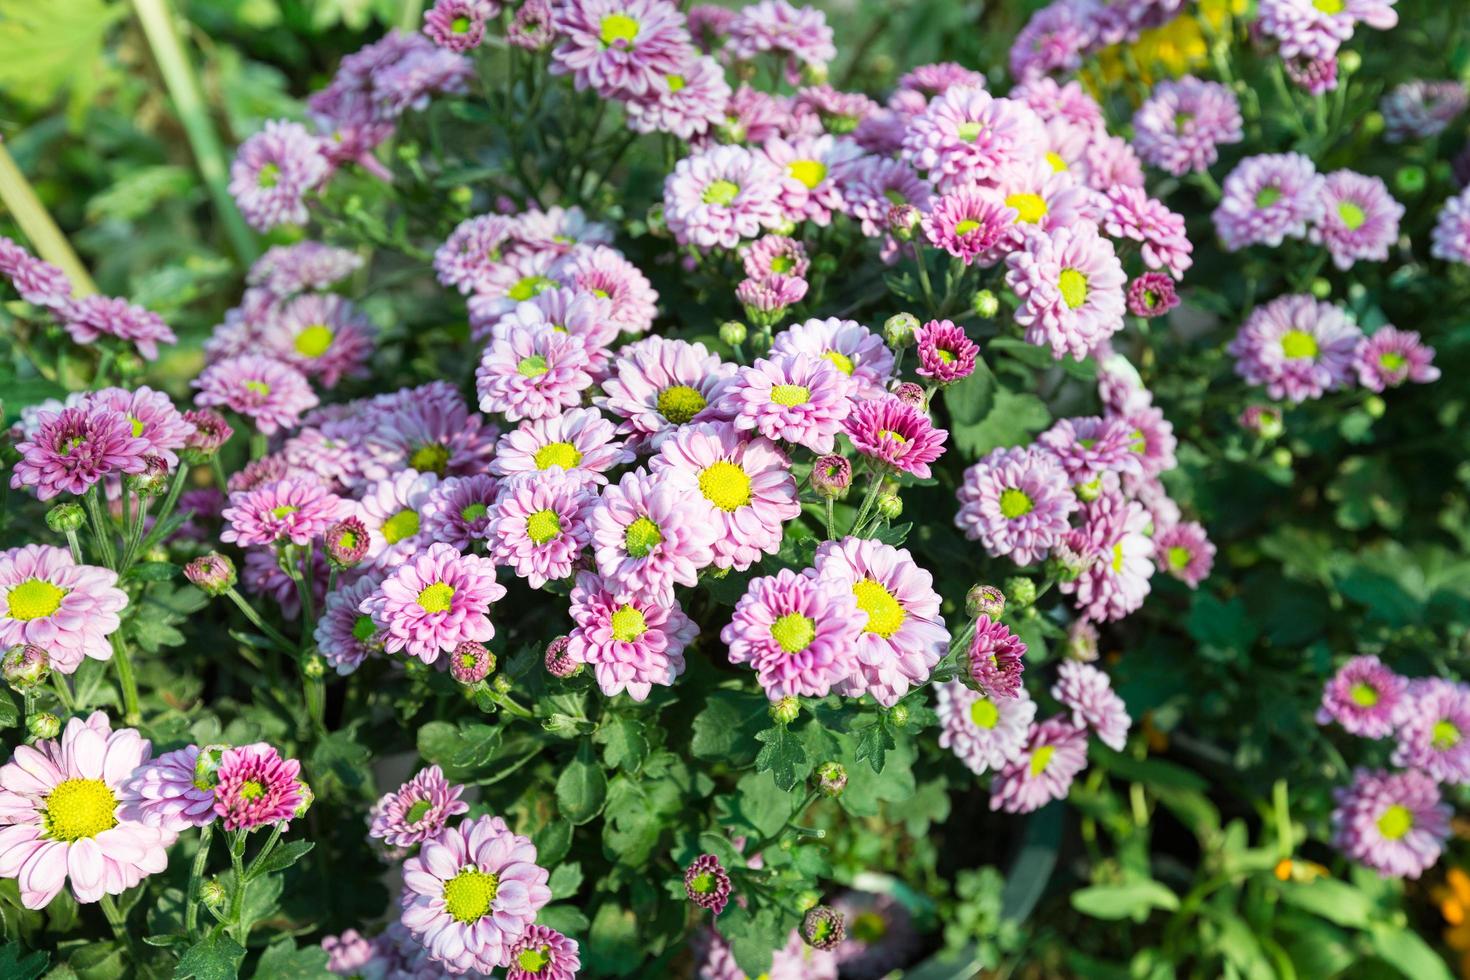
[(461, 196), (1410, 178), (899, 715), (307, 799), (153, 481), (43, 725), (823, 928), (985, 304), (346, 542), (1020, 591), (213, 574), (1375, 407), (910, 394), (313, 666), (559, 662), (903, 221), (785, 711), (211, 431), (1281, 456), (1321, 288), (25, 666), (1065, 564), (214, 895), (899, 329), (831, 476), (471, 662), (66, 517), (1349, 62), (733, 332), (831, 778), (890, 505), (985, 600)]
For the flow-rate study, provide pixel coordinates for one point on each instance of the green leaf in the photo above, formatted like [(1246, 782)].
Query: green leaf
[(339, 760), (216, 957), (282, 857), (153, 571), (1333, 900), (17, 964), (613, 942), (726, 729), (1013, 418), (260, 900), (760, 804), (1408, 953), (624, 746), (969, 400), (1131, 899), (98, 961), (565, 919), (565, 880), (581, 790), (1222, 627), (552, 841), (783, 757), (284, 961), (9, 714), (873, 743), (459, 751), (54, 45)]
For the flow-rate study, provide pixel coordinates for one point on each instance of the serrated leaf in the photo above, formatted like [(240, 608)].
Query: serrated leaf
[(873, 744), (624, 745), (782, 756), (285, 961), (581, 789), (53, 46), (282, 857), (216, 957), (9, 713), (18, 964)]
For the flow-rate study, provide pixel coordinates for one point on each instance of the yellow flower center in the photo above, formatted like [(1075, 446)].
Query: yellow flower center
[(969, 131), (534, 959), (543, 526), (1041, 758), (680, 403), (1364, 695), (790, 395), (416, 812), (467, 896), (963, 228), (793, 632), (258, 388), (364, 629), (892, 436), (885, 614), (984, 713), (529, 288), (460, 25), (137, 425), (840, 361), (642, 537), (1179, 557), (1015, 503), (34, 599), (1396, 821), (720, 192), (285, 510), (562, 454), (252, 789), (1329, 6), (809, 172), (628, 624), (1352, 216), (618, 29), (1392, 361), (314, 340), (1030, 208), (431, 458), (676, 83), (269, 176), (532, 367), (1118, 557), (437, 598), (1073, 286), (1055, 159), (1297, 344), (473, 512), (1444, 735), (77, 809), (725, 485), (1268, 196), (404, 524)]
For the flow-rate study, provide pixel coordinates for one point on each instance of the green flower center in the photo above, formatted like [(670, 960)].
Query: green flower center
[(364, 629), (618, 30), (534, 960), (404, 524), (1364, 695), (1297, 344), (680, 403), (1329, 6), (258, 388), (467, 896), (1015, 503), (348, 541), (963, 228), (782, 264), (628, 624), (34, 599), (793, 632), (532, 367), (416, 812), (252, 789), (790, 395), (1073, 286), (1352, 216), (984, 713), (642, 537), (137, 425), (1118, 557), (529, 288), (720, 192), (885, 614), (969, 131), (676, 83), (314, 340), (1392, 361), (895, 197), (1030, 208), (460, 25), (269, 176), (725, 485), (1268, 196), (78, 809), (1396, 821), (868, 928), (431, 458), (285, 510), (1444, 735), (1179, 558), (809, 172), (437, 598), (702, 883), (840, 361), (543, 526), (473, 512), (562, 454), (1041, 758)]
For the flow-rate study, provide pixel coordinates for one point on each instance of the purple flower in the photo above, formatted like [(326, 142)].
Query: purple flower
[(1451, 235), (473, 250), (152, 416), (38, 283), (1389, 357), (970, 224), (707, 884), (533, 375), (532, 27), (285, 270), (1051, 100), (938, 78), (1070, 284), (945, 353), (163, 793), (895, 434), (799, 33), (775, 255), (1297, 347), (850, 347), (542, 953), (92, 317), (967, 135), (271, 394), (295, 510), (458, 511), (1089, 693), (722, 195), (75, 448), (392, 511), (619, 48), (798, 634), (1395, 823), (994, 661), (631, 641), (1185, 552), (1088, 446), (345, 635), (660, 386), (1113, 538), (273, 172), (1268, 198), (604, 272), (1364, 697), (418, 810), (1316, 28), (579, 441), (1152, 294), (1421, 109), (435, 601), (1054, 39), (686, 104), (1434, 731), (1359, 219), (540, 526), (1054, 753), (874, 185), (1184, 122), (984, 732), (256, 787), (648, 536), (1016, 502), (459, 25), (881, 938), (1132, 214), (811, 168), (323, 336), (840, 112), (792, 398)]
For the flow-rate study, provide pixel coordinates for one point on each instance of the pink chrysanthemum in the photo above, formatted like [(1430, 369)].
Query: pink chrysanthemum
[(1132, 214), (459, 25), (1152, 294), (295, 510), (48, 600), (994, 661), (874, 185), (1364, 697), (542, 953), (273, 172), (560, 229), (1359, 219), (799, 634), (540, 526), (970, 224), (1268, 198), (471, 893), (722, 195), (442, 437), (573, 312), (1395, 823), (1054, 39), (741, 487), (152, 416), (60, 815), (38, 283), (967, 135), (770, 296), (1316, 28), (533, 375), (1054, 753), (775, 255), (1067, 101), (1095, 705), (1420, 109), (1183, 124), (792, 398), (256, 787), (630, 640), (1434, 731), (345, 635), (945, 353), (895, 434), (1390, 356), (938, 78), (1043, 200), (851, 347), (606, 273), (1114, 537), (685, 104), (619, 48), (840, 112), (811, 170), (435, 601), (94, 316), (661, 385), (418, 810), (903, 633), (579, 441), (353, 954), (800, 33), (707, 883), (648, 536), (165, 793), (1297, 347), (458, 511), (75, 448), (475, 247), (1185, 552), (392, 511), (1451, 235), (1070, 284), (271, 394), (984, 732), (1108, 162), (1088, 446), (323, 336), (285, 270), (1016, 502)]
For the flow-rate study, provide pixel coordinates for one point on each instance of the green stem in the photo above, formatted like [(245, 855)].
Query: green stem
[(237, 890), (264, 852), (183, 87), (196, 877), (169, 503), (831, 526), (118, 921), (101, 525), (126, 680), (63, 693), (20, 199), (511, 705), (75, 545), (135, 539), (875, 484), (270, 631), (409, 17)]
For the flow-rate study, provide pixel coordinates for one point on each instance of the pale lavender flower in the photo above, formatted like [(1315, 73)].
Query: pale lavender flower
[(722, 195), (984, 732), (458, 511), (418, 810), (1389, 357), (1359, 219), (273, 172), (1267, 199), (1054, 753), (1395, 823), (1089, 693), (1016, 502), (1297, 347), (1364, 697), (1184, 122)]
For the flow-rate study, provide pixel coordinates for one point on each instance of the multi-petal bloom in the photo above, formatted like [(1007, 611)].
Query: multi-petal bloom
[(1389, 357), (722, 195), (38, 282), (660, 385), (457, 511), (95, 316), (1184, 122), (1054, 753), (1434, 731), (994, 662), (48, 600), (60, 803), (630, 640), (968, 135), (971, 224), (620, 48), (685, 104), (812, 168), (1070, 284), (153, 417), (1364, 697), (322, 335), (1095, 705), (707, 883), (579, 441), (1114, 539), (797, 632), (1016, 502), (1297, 347), (984, 732), (1316, 28), (273, 172), (392, 512), (1395, 823), (418, 810), (471, 893), (895, 434), (345, 635), (459, 25), (73, 449), (1359, 218), (165, 793), (1185, 552), (648, 536), (294, 509), (1132, 214), (540, 526), (542, 953), (533, 375), (849, 346), (256, 787), (434, 601), (1090, 445), (1450, 239), (794, 398), (800, 33), (270, 393), (1267, 199), (945, 353), (1420, 109)]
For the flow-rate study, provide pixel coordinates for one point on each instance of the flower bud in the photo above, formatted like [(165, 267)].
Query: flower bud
[(313, 666), (890, 505), (733, 332), (206, 766), (471, 662), (1082, 641), (409, 150), (127, 364), (1264, 420), (785, 711), (1065, 564), (831, 476), (346, 542), (559, 662), (307, 799), (152, 482), (903, 221), (43, 724), (814, 73), (1349, 62), (831, 779), (1373, 123), (501, 684), (910, 394), (25, 666), (1410, 178), (461, 196), (899, 715), (213, 894), (66, 517), (213, 574), (985, 304), (657, 226), (899, 329), (211, 431), (823, 927), (1321, 288), (985, 600), (1020, 591), (1375, 407)]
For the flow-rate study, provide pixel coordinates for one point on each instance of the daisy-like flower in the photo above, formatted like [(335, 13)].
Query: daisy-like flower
[(1070, 284), (392, 511), (60, 815), (1095, 705), (68, 610), (1088, 446), (648, 536), (256, 787), (903, 633), (766, 300), (743, 488), (775, 255), (800, 33), (1016, 502), (1434, 731), (1316, 28), (285, 270), (1054, 39), (434, 601), (895, 434), (1395, 823), (811, 169), (619, 48), (793, 398), (984, 732), (1268, 198), (471, 893), (968, 135), (798, 633), (418, 810), (533, 375), (458, 511), (1421, 109), (153, 417), (1451, 235), (716, 198), (630, 640), (1044, 200), (532, 27), (970, 224), (606, 273), (994, 662), (1055, 751), (875, 185), (1114, 537), (269, 393), (579, 441), (345, 635), (165, 793), (945, 353), (353, 954), (473, 250), (540, 526), (1390, 356), (295, 510), (443, 438), (38, 283), (560, 229), (322, 335), (841, 112), (1364, 697), (1297, 347), (1068, 101), (1184, 122), (938, 78), (849, 346), (273, 172), (1132, 214), (521, 275), (1185, 552), (92, 317), (459, 25), (581, 315), (75, 448), (1359, 219), (1152, 294), (542, 953), (686, 104), (660, 386)]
